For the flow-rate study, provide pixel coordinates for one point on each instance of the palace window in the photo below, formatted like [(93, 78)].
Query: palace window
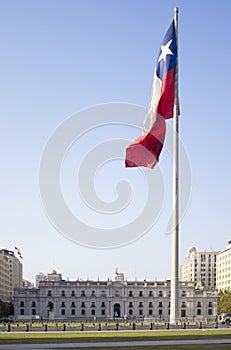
[(73, 312)]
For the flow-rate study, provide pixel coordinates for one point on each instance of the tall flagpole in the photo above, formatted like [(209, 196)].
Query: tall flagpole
[(175, 233)]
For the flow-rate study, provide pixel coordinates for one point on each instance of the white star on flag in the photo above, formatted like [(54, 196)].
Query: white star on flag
[(165, 51)]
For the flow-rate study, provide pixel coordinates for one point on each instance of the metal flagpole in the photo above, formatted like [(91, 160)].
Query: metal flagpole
[(175, 233)]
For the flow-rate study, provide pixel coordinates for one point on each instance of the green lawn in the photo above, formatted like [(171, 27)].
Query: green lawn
[(79, 337)]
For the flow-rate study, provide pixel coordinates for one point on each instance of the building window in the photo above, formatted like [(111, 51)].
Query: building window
[(160, 293), (130, 304), (50, 305), (22, 304), (183, 313), (130, 294), (210, 311), (140, 304), (160, 304), (33, 304), (160, 312), (130, 312), (63, 312), (150, 304), (93, 304), (82, 293), (141, 312), (198, 311), (103, 304), (63, 304), (73, 311), (72, 293), (210, 304), (183, 293), (93, 312), (83, 304), (72, 304), (140, 293), (117, 293), (103, 294), (151, 293), (33, 311), (49, 294), (93, 293), (103, 312), (150, 312), (183, 304), (21, 311), (82, 312), (198, 304), (63, 293)]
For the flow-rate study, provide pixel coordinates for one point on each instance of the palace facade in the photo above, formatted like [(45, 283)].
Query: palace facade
[(58, 299)]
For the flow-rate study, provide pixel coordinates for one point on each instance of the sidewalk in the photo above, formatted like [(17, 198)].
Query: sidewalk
[(111, 344)]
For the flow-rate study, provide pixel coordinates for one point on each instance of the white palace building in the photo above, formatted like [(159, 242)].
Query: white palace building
[(58, 299)]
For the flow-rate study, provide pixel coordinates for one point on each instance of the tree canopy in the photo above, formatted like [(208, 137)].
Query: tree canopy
[(224, 302)]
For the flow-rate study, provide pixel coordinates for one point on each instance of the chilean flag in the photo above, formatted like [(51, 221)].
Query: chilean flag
[(145, 150)]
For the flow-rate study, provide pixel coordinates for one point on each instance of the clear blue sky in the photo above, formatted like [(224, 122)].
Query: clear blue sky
[(59, 57)]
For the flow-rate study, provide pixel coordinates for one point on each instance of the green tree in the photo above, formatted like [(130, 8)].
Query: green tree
[(6, 309), (224, 302)]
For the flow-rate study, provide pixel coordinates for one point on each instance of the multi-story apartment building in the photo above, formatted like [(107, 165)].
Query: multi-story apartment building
[(10, 274), (103, 300), (200, 268), (224, 268)]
